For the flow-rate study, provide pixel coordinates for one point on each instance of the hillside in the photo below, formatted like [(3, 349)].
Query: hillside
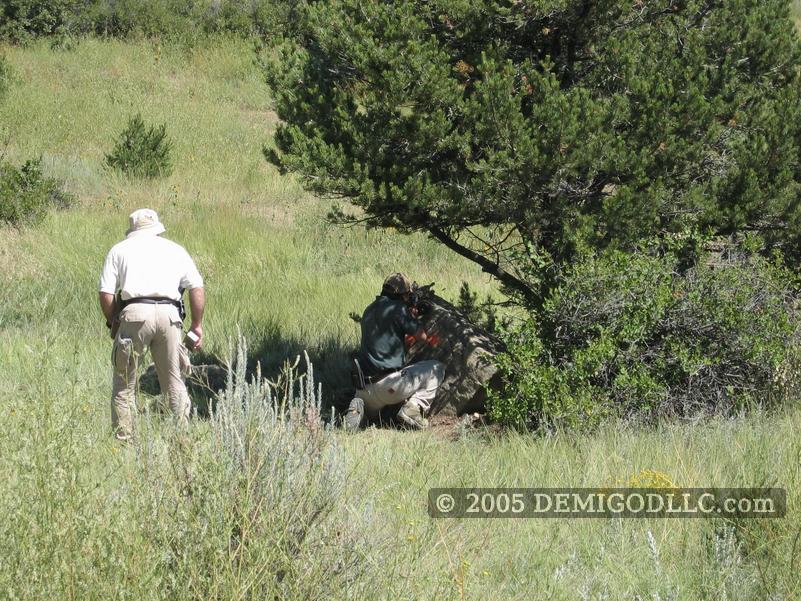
[(272, 264)]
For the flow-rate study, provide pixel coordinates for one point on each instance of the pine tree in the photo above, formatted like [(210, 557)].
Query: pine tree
[(521, 134), (142, 151)]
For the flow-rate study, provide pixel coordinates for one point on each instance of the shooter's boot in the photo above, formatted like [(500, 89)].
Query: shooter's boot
[(354, 415), (411, 414)]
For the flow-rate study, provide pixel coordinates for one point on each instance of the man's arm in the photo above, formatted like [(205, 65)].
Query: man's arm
[(108, 306), (109, 282), (421, 335), (197, 304)]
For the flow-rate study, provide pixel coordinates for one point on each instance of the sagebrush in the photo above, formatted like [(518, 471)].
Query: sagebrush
[(256, 508), (245, 506)]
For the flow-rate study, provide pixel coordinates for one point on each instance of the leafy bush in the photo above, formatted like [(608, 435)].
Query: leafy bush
[(26, 194), (180, 20), (142, 151), (169, 18), (629, 334), (183, 20), (274, 18), (21, 20)]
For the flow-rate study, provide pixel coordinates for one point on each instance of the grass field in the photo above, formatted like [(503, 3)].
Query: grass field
[(86, 519)]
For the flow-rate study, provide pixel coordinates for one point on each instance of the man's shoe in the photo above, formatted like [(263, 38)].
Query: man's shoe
[(124, 438), (354, 415), (411, 415)]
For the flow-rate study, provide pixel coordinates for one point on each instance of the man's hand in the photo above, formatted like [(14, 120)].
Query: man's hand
[(197, 331)]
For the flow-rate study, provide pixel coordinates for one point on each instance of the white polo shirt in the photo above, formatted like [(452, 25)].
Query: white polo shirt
[(148, 265)]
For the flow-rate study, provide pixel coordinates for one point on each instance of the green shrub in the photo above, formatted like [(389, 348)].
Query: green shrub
[(630, 334), (168, 18), (274, 18), (142, 151), (21, 20), (26, 194), (229, 16), (183, 20), (176, 19)]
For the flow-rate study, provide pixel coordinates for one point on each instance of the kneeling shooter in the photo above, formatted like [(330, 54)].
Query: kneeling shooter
[(383, 379)]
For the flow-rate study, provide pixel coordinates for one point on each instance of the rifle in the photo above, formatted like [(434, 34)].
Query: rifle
[(420, 297), (420, 301)]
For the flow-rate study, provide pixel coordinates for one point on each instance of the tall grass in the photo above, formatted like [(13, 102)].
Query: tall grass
[(262, 500), (247, 505), (586, 559)]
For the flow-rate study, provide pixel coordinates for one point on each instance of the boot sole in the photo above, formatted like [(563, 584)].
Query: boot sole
[(411, 422)]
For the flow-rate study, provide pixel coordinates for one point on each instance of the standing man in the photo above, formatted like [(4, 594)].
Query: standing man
[(383, 378), (140, 295)]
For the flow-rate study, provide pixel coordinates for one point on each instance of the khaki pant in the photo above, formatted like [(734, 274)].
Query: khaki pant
[(158, 328), (417, 382)]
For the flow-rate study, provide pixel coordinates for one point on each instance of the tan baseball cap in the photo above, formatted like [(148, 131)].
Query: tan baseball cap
[(398, 283), (143, 222)]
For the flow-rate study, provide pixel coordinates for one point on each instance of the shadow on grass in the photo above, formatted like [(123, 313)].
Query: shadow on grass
[(269, 348), (330, 358)]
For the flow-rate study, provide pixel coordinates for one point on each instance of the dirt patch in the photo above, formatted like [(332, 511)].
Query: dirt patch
[(16, 261), (444, 421), (259, 118), (452, 427), (277, 216)]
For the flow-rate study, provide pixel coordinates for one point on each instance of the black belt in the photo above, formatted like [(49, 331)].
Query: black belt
[(151, 300)]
